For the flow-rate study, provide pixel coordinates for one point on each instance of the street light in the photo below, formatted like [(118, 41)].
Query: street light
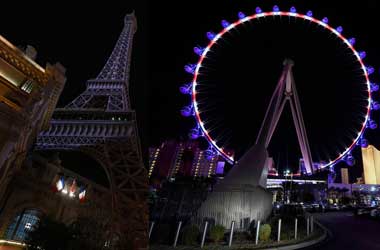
[(286, 192), (287, 172)]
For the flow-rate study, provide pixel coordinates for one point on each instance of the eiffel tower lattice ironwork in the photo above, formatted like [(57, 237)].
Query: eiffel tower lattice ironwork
[(100, 123)]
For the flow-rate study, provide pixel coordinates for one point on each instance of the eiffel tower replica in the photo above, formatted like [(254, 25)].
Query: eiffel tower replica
[(101, 124)]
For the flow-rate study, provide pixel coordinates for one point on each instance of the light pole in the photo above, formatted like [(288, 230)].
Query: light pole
[(286, 195), (291, 185), (283, 197)]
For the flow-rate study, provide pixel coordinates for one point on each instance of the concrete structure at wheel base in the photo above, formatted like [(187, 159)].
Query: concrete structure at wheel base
[(241, 196)]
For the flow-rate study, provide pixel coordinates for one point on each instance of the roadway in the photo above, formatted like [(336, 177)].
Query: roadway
[(349, 232)]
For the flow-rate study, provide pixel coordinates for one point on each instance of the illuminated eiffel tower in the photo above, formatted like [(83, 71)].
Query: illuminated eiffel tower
[(101, 124)]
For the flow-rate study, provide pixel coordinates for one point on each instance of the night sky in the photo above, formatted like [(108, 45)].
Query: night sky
[(247, 66), (240, 76)]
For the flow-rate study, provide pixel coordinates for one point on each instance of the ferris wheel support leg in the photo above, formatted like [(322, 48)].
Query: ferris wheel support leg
[(275, 122), (305, 150), (272, 112), (301, 124)]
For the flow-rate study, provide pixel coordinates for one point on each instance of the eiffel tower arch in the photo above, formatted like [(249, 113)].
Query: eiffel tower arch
[(101, 124)]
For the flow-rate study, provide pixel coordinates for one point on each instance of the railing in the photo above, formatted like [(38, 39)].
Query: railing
[(282, 231)]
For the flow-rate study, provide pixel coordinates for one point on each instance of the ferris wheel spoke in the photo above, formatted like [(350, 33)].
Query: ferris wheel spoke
[(208, 65), (227, 141)]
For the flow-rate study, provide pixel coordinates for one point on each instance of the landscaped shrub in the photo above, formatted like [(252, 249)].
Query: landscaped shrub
[(252, 229), (190, 234), (287, 232), (264, 233), (287, 228), (242, 237), (217, 233), (162, 233)]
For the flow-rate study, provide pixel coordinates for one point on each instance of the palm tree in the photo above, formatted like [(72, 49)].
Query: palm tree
[(331, 191), (344, 191), (49, 234)]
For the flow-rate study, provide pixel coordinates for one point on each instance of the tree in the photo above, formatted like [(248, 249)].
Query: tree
[(91, 229), (332, 193), (344, 191), (190, 234), (180, 199), (346, 200), (217, 232), (88, 233), (308, 197), (294, 192), (339, 192), (49, 234), (356, 197)]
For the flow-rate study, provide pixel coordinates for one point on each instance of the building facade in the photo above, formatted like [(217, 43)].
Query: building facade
[(344, 176), (28, 96), (183, 158), (371, 165)]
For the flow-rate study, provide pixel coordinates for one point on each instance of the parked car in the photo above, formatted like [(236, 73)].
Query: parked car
[(292, 210), (363, 211), (313, 207), (333, 207), (375, 213)]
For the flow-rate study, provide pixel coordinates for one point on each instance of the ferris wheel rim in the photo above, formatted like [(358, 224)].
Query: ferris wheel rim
[(237, 23)]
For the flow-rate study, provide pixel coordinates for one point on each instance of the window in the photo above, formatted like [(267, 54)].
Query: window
[(27, 86), (22, 224)]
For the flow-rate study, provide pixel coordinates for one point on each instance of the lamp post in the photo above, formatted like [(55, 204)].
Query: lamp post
[(286, 195), (291, 185)]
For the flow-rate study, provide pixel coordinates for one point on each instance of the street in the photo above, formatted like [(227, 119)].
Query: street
[(349, 232)]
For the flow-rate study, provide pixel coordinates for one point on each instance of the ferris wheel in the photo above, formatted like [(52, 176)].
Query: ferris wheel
[(192, 88)]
